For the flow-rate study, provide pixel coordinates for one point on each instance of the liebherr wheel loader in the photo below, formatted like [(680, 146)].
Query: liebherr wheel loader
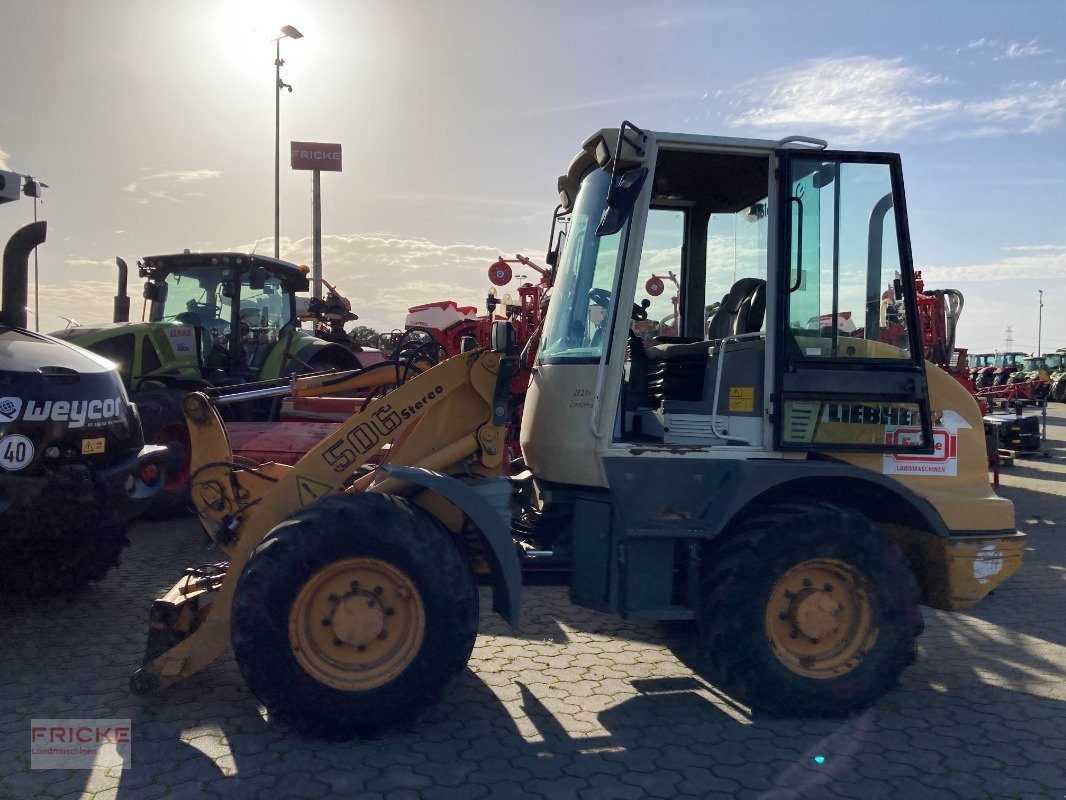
[(796, 488)]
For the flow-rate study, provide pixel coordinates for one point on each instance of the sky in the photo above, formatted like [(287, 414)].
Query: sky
[(153, 125)]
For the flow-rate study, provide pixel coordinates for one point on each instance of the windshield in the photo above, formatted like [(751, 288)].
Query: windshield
[(1053, 362), (198, 296), (581, 300)]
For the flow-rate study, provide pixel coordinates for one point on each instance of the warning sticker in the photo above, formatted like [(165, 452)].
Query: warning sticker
[(92, 447), (311, 490), (742, 398), (943, 461)]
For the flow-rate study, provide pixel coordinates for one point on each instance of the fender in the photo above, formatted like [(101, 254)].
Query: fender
[(307, 347), (493, 530)]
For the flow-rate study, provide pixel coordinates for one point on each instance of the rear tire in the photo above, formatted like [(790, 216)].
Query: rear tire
[(808, 611), (163, 422), (352, 615)]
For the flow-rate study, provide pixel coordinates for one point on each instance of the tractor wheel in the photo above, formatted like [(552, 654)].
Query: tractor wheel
[(808, 612), (163, 422), (352, 615), (1058, 390), (58, 552)]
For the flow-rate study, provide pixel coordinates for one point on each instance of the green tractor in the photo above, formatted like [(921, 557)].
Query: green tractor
[(210, 320), (1055, 364), (1034, 370)]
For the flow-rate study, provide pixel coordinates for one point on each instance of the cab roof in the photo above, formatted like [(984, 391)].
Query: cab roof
[(157, 266)]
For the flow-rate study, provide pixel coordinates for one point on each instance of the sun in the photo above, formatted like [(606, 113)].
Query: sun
[(246, 29)]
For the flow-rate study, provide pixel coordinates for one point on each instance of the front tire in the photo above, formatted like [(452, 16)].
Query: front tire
[(808, 611), (59, 552), (163, 422), (353, 615)]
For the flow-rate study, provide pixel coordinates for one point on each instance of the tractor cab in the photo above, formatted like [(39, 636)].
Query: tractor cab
[(231, 309), (794, 324)]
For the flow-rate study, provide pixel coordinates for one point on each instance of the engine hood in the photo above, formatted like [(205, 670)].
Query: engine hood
[(25, 351)]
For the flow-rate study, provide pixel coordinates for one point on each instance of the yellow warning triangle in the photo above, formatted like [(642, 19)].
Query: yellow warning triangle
[(311, 490), (734, 392)]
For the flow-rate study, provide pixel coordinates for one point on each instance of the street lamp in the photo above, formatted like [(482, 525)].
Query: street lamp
[(288, 32)]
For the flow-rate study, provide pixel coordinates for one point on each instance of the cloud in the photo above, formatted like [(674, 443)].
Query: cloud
[(862, 99), (1037, 262), (655, 93), (1015, 50), (184, 176), (1029, 247), (87, 301), (81, 263), (1032, 108), (172, 186), (1010, 50)]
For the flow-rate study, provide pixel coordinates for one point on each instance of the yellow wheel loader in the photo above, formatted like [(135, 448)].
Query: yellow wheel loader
[(787, 472)]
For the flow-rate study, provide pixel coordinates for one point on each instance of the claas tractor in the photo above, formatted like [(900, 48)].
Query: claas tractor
[(1055, 364), (1035, 371), (795, 491), (210, 320)]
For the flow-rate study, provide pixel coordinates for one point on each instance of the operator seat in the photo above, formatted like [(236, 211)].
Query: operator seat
[(742, 311)]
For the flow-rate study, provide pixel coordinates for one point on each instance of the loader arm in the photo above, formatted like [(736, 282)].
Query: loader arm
[(449, 406)]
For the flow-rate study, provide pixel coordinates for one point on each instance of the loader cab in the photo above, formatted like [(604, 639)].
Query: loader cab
[(792, 325), (237, 307)]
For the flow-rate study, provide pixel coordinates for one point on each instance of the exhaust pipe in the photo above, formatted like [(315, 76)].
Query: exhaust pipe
[(16, 272), (122, 300)]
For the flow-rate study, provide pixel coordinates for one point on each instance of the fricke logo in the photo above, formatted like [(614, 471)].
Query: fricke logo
[(10, 408)]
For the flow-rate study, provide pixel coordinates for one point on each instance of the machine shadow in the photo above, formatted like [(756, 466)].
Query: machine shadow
[(674, 732)]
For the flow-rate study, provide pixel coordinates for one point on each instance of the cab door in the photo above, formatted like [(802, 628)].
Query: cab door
[(849, 372)]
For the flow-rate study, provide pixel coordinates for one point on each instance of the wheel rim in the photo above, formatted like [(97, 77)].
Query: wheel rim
[(820, 619), (357, 624), (178, 474)]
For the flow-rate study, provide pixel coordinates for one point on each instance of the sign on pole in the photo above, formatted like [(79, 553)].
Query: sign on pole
[(320, 156)]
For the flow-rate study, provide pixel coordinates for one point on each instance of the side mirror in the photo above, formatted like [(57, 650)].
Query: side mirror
[(155, 291), (620, 201), (824, 175), (257, 278), (229, 289), (555, 243)]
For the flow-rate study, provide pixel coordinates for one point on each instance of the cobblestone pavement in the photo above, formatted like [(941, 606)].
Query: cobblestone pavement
[(579, 705)]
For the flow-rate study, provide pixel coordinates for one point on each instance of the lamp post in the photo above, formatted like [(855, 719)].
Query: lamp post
[(291, 33), (1039, 323)]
